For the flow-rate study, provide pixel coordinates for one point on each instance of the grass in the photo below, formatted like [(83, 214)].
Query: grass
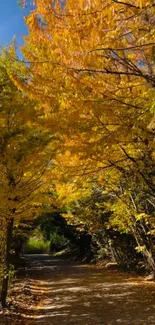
[(34, 246)]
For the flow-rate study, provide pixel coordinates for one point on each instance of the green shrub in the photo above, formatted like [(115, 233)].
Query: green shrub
[(34, 246), (58, 239), (57, 242)]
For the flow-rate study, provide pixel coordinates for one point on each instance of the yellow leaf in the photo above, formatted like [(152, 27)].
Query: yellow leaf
[(141, 4), (81, 3)]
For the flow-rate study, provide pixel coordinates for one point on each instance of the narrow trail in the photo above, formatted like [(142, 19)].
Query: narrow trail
[(88, 295)]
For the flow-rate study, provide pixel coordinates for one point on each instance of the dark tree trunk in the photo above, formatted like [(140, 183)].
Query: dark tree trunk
[(5, 280)]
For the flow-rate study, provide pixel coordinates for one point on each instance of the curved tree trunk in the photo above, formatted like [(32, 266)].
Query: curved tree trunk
[(146, 253), (5, 280)]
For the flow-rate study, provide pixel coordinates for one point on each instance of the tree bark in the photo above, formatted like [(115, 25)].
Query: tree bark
[(5, 280), (146, 253)]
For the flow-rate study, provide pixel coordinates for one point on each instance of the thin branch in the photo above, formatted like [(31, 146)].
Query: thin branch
[(131, 5), (126, 4), (122, 48)]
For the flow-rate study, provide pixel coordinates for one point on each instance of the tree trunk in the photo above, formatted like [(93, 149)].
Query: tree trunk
[(5, 280), (146, 253), (150, 262)]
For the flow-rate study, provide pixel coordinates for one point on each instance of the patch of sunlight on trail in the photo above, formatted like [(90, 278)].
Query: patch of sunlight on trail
[(87, 295)]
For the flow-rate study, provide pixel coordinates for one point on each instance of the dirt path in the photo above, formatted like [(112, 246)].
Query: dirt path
[(88, 295), (75, 294)]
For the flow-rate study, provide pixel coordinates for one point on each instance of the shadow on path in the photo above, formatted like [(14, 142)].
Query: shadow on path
[(88, 295)]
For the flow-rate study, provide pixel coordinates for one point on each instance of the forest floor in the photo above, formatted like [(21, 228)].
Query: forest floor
[(57, 291)]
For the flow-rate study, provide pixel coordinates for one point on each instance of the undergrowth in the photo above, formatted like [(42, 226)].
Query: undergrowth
[(34, 246)]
